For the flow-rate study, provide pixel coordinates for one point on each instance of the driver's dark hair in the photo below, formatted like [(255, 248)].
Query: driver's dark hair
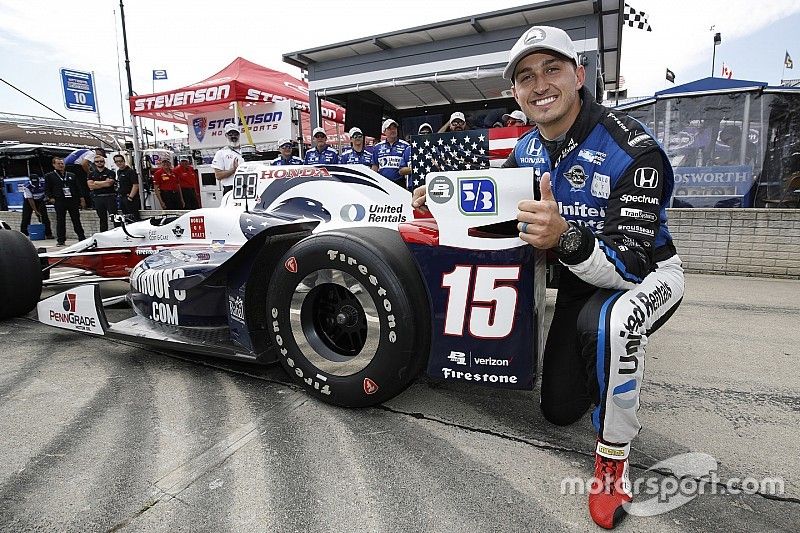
[(56, 158)]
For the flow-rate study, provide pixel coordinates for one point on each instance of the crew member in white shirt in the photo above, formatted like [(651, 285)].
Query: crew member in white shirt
[(227, 159)]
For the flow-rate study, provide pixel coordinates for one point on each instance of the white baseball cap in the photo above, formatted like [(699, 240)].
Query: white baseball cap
[(424, 125), (285, 141), (388, 122), (318, 129), (458, 115), (231, 127), (540, 38), (355, 130), (516, 115)]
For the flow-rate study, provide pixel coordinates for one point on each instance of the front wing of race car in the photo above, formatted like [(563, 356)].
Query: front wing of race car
[(81, 309)]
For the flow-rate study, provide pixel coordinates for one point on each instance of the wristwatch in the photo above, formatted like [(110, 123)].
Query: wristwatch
[(570, 240)]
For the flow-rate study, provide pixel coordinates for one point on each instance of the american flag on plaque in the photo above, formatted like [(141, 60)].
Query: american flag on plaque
[(461, 150)]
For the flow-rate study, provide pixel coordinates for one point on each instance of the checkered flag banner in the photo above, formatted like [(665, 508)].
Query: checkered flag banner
[(455, 150), (636, 19)]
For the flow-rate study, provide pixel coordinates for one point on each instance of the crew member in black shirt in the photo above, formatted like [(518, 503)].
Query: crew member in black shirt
[(128, 192), (63, 190), (102, 186)]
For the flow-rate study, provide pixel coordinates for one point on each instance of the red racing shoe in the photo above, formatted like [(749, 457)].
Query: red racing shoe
[(610, 489)]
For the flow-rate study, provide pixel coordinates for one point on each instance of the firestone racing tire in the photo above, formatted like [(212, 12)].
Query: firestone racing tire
[(349, 314), (20, 275)]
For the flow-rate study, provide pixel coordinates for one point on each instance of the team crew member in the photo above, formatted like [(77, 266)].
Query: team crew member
[(425, 129), (63, 190), (457, 122), (391, 157), (515, 118), (357, 154), (227, 159), (167, 186), (35, 201), (187, 178), (128, 191), (321, 154), (604, 183), (286, 157), (102, 185)]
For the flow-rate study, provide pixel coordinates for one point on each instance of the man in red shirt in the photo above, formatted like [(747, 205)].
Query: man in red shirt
[(187, 178), (167, 186)]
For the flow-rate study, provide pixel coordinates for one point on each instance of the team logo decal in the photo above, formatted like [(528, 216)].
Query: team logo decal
[(646, 178), (69, 302), (197, 227), (477, 196), (535, 35), (576, 177), (534, 147), (178, 231), (440, 189), (353, 212), (291, 265), (370, 387), (199, 125)]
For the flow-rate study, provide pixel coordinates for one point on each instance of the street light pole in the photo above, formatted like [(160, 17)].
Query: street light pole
[(137, 160), (717, 40)]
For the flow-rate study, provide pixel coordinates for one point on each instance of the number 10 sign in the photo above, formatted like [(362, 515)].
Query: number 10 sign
[(78, 89)]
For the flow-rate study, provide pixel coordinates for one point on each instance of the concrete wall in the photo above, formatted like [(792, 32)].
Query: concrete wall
[(747, 242)]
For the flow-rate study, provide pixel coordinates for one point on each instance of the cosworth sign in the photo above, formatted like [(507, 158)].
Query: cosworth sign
[(268, 123)]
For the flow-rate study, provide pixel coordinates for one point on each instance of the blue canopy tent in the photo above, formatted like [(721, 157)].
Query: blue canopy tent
[(733, 143)]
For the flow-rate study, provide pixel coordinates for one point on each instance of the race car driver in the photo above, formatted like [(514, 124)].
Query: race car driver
[(604, 183)]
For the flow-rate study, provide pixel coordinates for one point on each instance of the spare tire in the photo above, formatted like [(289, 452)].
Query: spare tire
[(20, 274), (349, 314)]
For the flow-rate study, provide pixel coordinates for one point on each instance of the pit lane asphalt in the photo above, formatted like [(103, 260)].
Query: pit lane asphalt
[(99, 435)]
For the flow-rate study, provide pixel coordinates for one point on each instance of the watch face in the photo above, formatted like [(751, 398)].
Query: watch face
[(570, 241)]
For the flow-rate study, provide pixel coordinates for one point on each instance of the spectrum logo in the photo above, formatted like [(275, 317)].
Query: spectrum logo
[(69, 302)]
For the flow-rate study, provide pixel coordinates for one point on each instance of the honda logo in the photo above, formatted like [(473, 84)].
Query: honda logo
[(646, 178)]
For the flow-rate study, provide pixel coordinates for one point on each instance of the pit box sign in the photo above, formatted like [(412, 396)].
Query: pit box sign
[(722, 186), (78, 89)]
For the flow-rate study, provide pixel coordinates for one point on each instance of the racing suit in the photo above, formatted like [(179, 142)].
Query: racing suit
[(390, 158), (292, 160), (351, 157), (325, 157), (611, 179)]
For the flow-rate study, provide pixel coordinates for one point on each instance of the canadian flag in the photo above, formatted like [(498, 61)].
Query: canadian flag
[(726, 71), (165, 132)]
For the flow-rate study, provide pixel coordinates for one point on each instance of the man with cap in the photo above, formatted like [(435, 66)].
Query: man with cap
[(391, 157), (286, 157), (228, 158), (357, 154), (425, 129), (603, 185), (457, 122), (515, 118), (322, 153), (187, 178)]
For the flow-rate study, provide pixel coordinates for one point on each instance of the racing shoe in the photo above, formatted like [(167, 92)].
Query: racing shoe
[(611, 486)]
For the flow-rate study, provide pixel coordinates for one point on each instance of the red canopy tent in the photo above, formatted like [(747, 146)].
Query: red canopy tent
[(242, 81)]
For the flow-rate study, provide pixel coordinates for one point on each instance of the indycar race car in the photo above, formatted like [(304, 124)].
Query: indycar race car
[(325, 269)]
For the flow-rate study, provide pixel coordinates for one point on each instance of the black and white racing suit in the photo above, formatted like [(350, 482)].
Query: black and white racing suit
[(611, 177)]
